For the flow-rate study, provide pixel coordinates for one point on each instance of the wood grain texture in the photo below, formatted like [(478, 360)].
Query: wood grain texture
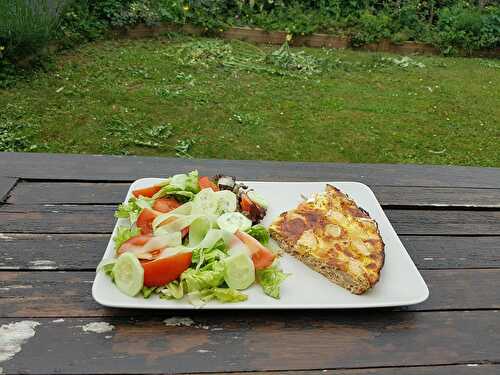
[(113, 193), (99, 219), (6, 185), (244, 341), (120, 168), (68, 193), (77, 252), (53, 294), (465, 369)]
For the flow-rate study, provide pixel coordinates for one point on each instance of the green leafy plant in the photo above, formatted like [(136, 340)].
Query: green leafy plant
[(294, 62), (371, 28), (466, 28), (18, 136), (183, 146), (26, 26)]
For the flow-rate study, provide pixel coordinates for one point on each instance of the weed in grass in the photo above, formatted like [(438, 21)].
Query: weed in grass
[(183, 77), (403, 62), (247, 120), (139, 72), (378, 61), (167, 92), (245, 57), (293, 62), (490, 64), (183, 146), (18, 136), (122, 133), (163, 131)]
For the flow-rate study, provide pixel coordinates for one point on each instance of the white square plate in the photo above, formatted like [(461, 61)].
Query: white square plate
[(400, 282)]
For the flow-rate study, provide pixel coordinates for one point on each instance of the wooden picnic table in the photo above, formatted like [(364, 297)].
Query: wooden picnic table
[(56, 216)]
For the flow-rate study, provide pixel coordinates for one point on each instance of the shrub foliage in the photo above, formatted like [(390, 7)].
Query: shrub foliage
[(27, 26)]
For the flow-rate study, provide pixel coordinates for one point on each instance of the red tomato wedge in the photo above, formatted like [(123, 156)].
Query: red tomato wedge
[(146, 192), (133, 243), (145, 220), (205, 182), (162, 271), (164, 205), (262, 257)]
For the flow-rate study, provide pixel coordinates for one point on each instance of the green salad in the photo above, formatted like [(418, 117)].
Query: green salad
[(193, 237)]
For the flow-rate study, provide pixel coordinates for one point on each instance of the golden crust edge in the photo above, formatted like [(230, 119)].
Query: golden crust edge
[(356, 285), (318, 265)]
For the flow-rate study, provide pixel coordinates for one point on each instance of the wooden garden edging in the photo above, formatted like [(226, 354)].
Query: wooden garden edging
[(261, 36)]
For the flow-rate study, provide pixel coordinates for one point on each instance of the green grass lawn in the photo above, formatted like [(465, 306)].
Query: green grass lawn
[(172, 96)]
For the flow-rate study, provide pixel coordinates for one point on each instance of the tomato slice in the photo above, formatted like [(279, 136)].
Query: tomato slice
[(145, 221), (165, 205), (162, 271), (133, 242), (262, 257), (245, 203), (206, 182), (146, 192)]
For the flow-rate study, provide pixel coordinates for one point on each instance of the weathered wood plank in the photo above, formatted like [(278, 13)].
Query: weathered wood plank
[(435, 252), (68, 193), (119, 168), (99, 219), (465, 369), (246, 341), (43, 294), (6, 185), (84, 251), (112, 193), (429, 222)]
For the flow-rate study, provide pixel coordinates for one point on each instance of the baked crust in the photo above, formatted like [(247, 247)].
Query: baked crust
[(335, 237)]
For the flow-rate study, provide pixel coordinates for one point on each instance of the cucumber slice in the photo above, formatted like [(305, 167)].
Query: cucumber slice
[(198, 230), (226, 201), (257, 198), (129, 274), (232, 221), (239, 271), (205, 202)]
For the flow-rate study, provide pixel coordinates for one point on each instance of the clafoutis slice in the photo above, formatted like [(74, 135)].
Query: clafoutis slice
[(333, 236)]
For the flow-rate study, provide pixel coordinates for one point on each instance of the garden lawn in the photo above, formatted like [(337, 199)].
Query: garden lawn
[(191, 97)]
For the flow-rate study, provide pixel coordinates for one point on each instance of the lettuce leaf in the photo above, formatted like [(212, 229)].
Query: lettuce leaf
[(182, 187), (223, 295), (123, 234), (260, 233), (270, 280), (106, 266), (147, 291), (133, 208), (200, 279), (173, 290), (229, 295), (173, 191), (205, 257), (192, 184)]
